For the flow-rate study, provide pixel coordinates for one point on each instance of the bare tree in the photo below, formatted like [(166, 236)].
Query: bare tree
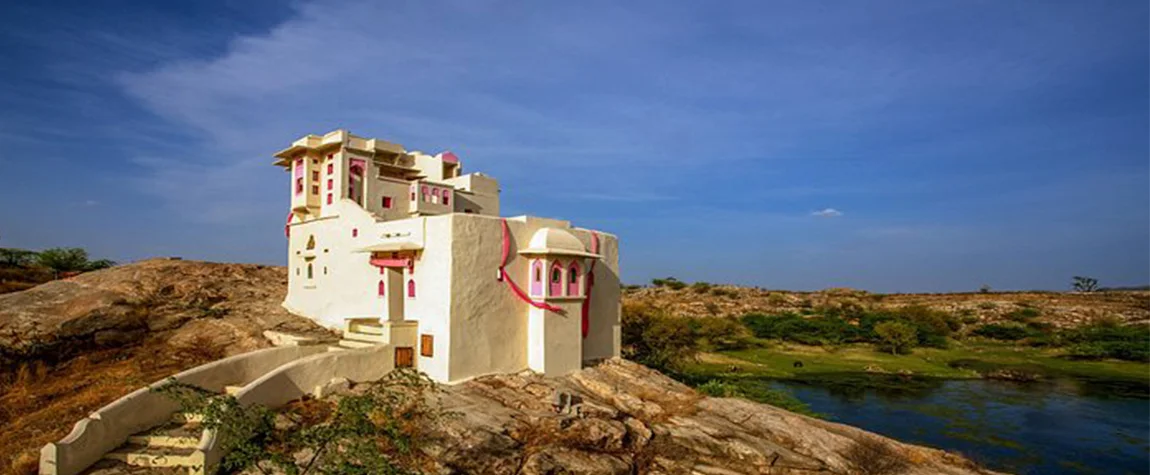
[(1085, 284)]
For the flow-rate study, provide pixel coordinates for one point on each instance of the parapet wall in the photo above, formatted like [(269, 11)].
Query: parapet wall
[(110, 426)]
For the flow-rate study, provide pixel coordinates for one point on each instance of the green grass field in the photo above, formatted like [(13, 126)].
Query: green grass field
[(776, 360)]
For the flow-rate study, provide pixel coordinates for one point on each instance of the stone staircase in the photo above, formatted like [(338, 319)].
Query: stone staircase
[(169, 448), (362, 333)]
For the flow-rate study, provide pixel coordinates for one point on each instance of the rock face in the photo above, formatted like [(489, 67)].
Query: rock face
[(635, 420), (231, 303)]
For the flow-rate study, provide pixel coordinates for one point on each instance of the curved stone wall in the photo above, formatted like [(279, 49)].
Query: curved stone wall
[(110, 426)]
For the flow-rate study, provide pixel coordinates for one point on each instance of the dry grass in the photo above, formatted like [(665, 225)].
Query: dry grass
[(40, 403), (870, 456)]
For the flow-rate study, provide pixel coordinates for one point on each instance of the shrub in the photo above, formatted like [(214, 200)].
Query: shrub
[(806, 330), (1108, 339), (870, 456), (996, 331), (1022, 314), (720, 334), (777, 299), (669, 282), (701, 287), (720, 292), (716, 388), (654, 338), (376, 431), (896, 337)]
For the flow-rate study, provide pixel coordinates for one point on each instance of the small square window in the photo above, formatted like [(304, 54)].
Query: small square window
[(386, 202), (314, 189), (315, 175), (355, 232)]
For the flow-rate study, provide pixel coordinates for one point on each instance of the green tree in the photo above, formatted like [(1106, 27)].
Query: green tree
[(70, 259), (12, 257), (897, 337)]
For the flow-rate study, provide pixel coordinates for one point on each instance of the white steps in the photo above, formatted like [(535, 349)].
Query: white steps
[(368, 328), (354, 344), (151, 456), (365, 337)]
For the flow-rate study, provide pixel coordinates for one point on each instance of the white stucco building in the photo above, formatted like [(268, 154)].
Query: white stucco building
[(401, 248)]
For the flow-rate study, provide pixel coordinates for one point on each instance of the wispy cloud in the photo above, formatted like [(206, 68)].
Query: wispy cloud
[(827, 213)]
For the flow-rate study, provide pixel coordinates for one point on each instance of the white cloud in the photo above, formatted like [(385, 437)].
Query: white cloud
[(827, 213)]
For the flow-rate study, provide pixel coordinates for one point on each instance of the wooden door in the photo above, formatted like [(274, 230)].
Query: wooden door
[(404, 357)]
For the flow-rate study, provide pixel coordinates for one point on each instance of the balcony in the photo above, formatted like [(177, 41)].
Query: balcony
[(431, 198)]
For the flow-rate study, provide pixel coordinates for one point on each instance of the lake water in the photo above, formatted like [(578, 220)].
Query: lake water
[(1025, 428)]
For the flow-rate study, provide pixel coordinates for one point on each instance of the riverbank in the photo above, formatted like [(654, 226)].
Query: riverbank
[(962, 360), (1014, 408)]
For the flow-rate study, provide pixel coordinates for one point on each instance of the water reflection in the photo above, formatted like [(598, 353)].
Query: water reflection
[(1053, 426)]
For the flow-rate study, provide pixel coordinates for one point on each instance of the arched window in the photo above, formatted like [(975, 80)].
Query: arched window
[(573, 279), (426, 193), (411, 288), (556, 287), (382, 289), (446, 197), (536, 277), (309, 275), (311, 242)]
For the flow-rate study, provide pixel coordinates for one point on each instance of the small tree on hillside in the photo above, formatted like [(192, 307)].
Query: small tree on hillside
[(12, 257), (70, 259), (1085, 284), (897, 337)]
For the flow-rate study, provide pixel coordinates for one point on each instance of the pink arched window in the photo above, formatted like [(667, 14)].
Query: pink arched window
[(411, 288), (426, 193), (382, 289), (556, 280), (537, 277), (573, 279)]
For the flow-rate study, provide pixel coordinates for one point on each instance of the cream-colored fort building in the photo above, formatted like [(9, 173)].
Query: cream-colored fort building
[(401, 248)]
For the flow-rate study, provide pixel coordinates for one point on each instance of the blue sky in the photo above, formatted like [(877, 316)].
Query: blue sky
[(889, 146)]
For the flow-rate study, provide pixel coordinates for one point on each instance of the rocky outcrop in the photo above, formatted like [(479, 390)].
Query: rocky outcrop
[(630, 419), (230, 303)]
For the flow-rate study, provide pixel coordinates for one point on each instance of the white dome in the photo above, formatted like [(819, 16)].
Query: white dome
[(556, 241)]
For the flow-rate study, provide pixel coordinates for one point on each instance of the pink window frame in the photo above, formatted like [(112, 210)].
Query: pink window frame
[(555, 286), (537, 277), (329, 198), (382, 289), (330, 167), (410, 288), (330, 184), (573, 270)]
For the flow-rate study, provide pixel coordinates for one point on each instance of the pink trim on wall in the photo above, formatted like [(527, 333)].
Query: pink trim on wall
[(298, 168), (392, 262), (537, 277), (358, 166), (555, 281), (573, 279)]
